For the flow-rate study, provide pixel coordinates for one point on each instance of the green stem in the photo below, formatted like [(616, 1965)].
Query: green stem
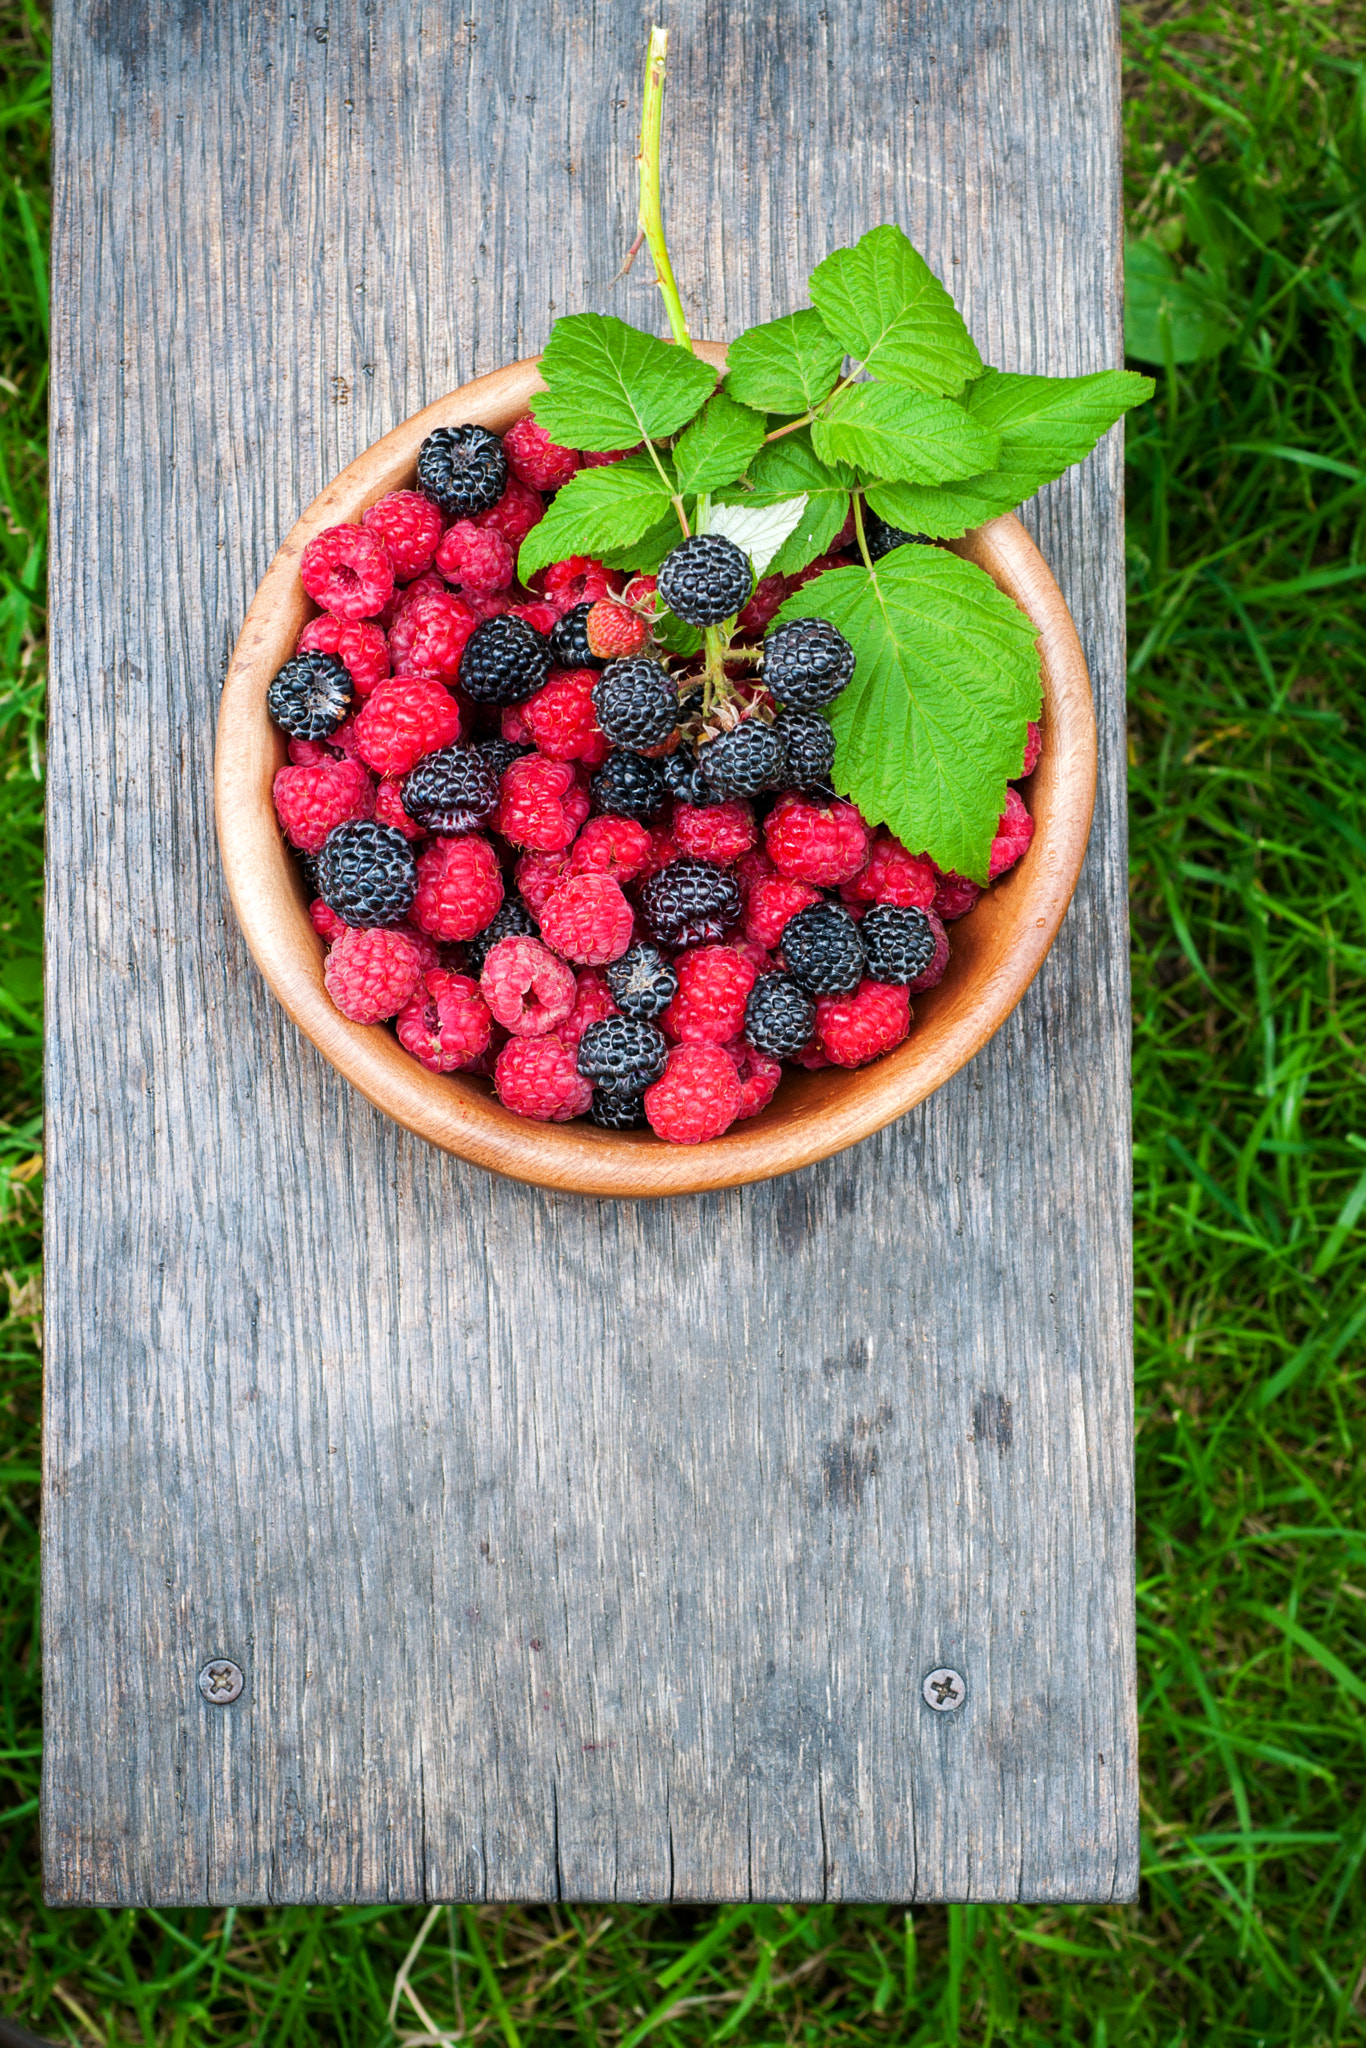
[(858, 528), (716, 642), (651, 215), (791, 426)]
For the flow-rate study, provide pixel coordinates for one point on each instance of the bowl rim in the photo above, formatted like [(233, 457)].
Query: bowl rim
[(998, 950)]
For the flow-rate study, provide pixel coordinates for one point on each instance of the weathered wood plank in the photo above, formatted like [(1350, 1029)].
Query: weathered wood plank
[(570, 1548)]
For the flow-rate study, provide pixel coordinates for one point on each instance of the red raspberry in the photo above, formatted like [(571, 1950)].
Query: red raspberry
[(535, 458), (812, 1057), (579, 580), (409, 526), (428, 637), (539, 873), (1033, 747), (934, 973), (759, 1078), (519, 968), (1013, 834), (459, 888), (344, 743), (613, 631), (560, 717), (346, 571), (537, 613), (846, 535), (310, 753), (595, 459), (641, 591), (861, 1027), (758, 956), (445, 1023), (428, 584), (612, 846), (717, 832), (476, 557), (326, 923), (697, 1097), (588, 919), (517, 511), (713, 984), (752, 869), (893, 876), (772, 901), (309, 802), (358, 644), (428, 951), (540, 805), (663, 849), (954, 896), (407, 717), (830, 560), (769, 593), (389, 809), (371, 974), (825, 844), (592, 1002), (537, 1077), (492, 605)]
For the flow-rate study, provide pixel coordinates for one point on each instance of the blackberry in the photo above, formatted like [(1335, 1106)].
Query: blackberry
[(512, 920), (809, 743), (823, 950), (642, 982), (779, 1016), (452, 791), (627, 786), (311, 696), (505, 661), (622, 1054), (462, 469), (879, 538), (367, 874), (615, 1112), (500, 754), (705, 579), (689, 903), (637, 702), (900, 943), (686, 781), (745, 760), (806, 664), (569, 646)]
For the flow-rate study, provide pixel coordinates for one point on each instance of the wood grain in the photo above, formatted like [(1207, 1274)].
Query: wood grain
[(571, 1548)]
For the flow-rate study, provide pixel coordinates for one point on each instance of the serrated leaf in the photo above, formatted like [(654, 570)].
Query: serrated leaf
[(608, 507), (757, 530), (787, 469), (646, 554), (719, 445), (932, 724), (903, 435), (677, 635), (885, 306), (788, 365), (1045, 424), (609, 385)]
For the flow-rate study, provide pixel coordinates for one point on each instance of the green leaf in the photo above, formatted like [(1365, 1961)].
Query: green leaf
[(1045, 425), (609, 507), (1166, 309), (903, 435), (787, 365), (885, 306), (759, 531), (789, 469), (609, 386), (645, 555), (932, 725), (677, 636), (719, 445)]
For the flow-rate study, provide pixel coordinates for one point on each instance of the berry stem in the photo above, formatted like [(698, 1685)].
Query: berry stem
[(858, 528), (651, 214)]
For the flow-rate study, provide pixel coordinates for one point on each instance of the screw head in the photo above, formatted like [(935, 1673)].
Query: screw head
[(944, 1690), (221, 1682)]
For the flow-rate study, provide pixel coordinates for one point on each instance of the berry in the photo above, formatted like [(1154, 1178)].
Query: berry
[(578, 580), (689, 902), (832, 559), (822, 843), (751, 869), (663, 850), (587, 919), (713, 985), (1033, 748), (409, 527), (759, 1076), (771, 905), (346, 571), (1013, 834), (428, 584), (445, 1023), (429, 635), (516, 512), (613, 1112), (518, 968), (593, 458), (809, 744), (500, 754), (623, 1054), (366, 874), (823, 950), (592, 1002), (697, 1098), (325, 922), (705, 579), (311, 696), (538, 614), (453, 791), (535, 458), (478, 558), (879, 538), (538, 874), (407, 717), (569, 646), (389, 809), (938, 966), (536, 1077), (745, 760), (806, 664), (686, 781), (359, 645), (370, 974), (954, 895), (642, 982), (861, 1026), (511, 920), (619, 847), (459, 888), (628, 786), (311, 802), (611, 630), (900, 943), (779, 1016), (769, 593), (462, 469), (636, 702), (892, 876), (721, 832), (540, 805), (505, 662)]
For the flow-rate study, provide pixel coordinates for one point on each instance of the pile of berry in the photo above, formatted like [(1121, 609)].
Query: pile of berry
[(548, 854)]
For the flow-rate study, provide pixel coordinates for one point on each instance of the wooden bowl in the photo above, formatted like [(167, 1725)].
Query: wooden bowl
[(997, 950)]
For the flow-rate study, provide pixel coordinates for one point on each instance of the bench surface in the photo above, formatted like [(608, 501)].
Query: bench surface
[(570, 1549)]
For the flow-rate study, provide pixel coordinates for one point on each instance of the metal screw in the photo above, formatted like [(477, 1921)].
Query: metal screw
[(221, 1682), (944, 1690)]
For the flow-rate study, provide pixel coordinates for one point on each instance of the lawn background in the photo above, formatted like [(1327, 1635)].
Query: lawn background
[(1246, 188)]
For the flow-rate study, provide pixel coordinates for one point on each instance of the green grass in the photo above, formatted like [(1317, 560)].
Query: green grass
[(1246, 138)]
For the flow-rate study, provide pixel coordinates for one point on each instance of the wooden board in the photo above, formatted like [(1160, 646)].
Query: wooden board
[(570, 1548)]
